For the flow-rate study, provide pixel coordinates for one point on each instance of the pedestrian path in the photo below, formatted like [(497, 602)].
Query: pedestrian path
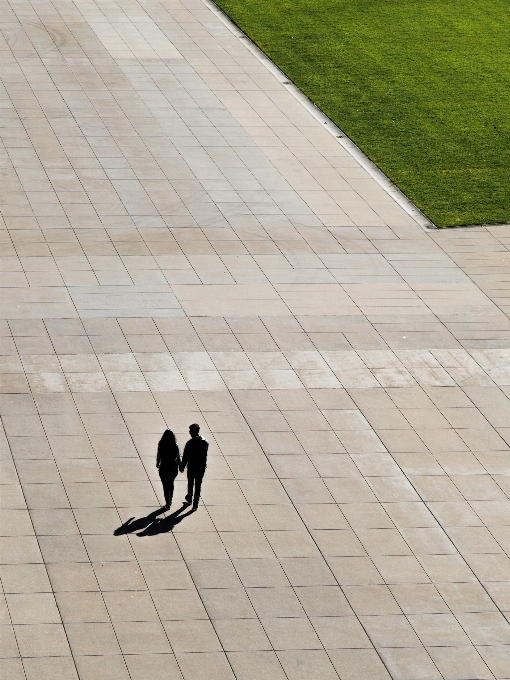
[(184, 242)]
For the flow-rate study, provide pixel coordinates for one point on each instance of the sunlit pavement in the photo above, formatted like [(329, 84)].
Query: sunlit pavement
[(185, 243)]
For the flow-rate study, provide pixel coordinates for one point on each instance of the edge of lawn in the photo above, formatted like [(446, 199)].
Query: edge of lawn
[(365, 161)]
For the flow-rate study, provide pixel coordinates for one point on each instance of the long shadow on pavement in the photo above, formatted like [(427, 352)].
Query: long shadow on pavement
[(152, 524)]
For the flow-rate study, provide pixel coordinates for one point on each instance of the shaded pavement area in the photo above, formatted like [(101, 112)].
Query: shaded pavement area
[(153, 523)]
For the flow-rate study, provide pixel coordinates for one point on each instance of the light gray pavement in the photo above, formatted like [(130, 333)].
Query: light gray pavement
[(184, 242)]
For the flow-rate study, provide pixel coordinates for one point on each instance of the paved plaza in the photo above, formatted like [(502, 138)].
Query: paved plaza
[(184, 242)]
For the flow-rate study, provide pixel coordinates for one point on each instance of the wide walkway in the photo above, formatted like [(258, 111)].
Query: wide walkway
[(185, 243)]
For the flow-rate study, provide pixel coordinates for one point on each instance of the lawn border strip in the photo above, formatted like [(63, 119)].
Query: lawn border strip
[(376, 173)]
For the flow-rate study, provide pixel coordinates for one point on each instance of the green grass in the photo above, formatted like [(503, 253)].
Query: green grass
[(421, 86)]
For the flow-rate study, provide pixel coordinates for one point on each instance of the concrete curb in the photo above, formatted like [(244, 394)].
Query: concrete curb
[(328, 124)]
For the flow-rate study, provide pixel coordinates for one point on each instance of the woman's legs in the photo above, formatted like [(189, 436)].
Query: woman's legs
[(168, 487), (169, 493)]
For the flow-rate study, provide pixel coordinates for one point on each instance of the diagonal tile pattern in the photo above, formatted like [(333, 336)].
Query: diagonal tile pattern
[(184, 242)]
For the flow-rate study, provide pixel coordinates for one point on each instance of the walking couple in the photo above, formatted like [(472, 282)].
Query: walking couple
[(169, 463)]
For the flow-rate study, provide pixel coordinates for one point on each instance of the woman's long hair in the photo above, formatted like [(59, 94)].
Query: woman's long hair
[(167, 441)]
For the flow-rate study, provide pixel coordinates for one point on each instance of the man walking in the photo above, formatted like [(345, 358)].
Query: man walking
[(195, 458)]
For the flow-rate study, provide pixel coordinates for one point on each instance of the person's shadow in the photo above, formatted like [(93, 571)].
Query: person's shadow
[(152, 524)]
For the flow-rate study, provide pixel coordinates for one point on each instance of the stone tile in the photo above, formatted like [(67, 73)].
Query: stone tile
[(371, 600), (12, 668), (459, 662), (205, 665), (390, 631), (42, 640), (291, 633), (51, 667), (466, 597), (192, 636), (32, 608), (353, 663), (409, 663), (496, 658), (177, 605), (104, 667), (82, 607), (439, 630), (299, 664), (158, 574), (418, 598), (227, 603), (24, 578), (341, 632), (323, 600), (92, 638), (255, 665), (141, 637)]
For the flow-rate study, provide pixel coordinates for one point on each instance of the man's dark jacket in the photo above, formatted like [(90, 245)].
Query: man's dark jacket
[(195, 456)]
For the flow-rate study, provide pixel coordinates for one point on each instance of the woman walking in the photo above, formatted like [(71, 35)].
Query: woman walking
[(168, 461)]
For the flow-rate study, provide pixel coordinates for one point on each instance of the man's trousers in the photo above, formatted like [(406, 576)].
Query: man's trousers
[(194, 480)]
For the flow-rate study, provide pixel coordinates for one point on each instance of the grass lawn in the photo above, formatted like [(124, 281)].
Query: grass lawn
[(421, 86)]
